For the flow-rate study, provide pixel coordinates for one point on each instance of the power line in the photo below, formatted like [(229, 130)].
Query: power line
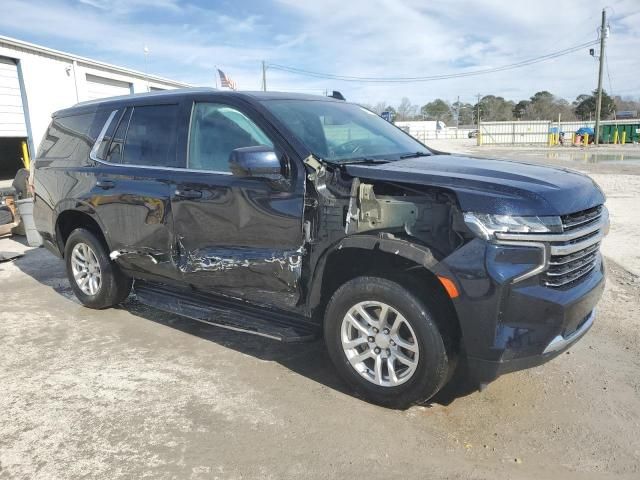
[(346, 78)]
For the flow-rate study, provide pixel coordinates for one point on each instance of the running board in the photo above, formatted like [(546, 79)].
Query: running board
[(227, 313)]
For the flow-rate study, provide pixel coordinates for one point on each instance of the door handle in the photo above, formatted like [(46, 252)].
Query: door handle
[(187, 193), (105, 184)]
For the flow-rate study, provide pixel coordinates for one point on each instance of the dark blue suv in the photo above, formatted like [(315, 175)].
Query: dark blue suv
[(293, 216)]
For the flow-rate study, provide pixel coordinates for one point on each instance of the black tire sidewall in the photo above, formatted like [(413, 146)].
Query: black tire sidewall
[(111, 288), (432, 370)]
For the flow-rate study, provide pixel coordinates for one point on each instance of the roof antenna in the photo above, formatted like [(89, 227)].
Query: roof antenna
[(337, 95)]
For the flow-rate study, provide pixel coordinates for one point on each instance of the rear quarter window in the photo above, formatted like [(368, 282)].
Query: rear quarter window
[(64, 134), (72, 136)]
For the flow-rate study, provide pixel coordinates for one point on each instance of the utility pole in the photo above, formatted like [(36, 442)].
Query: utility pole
[(603, 38), (479, 132), (264, 77), (457, 116)]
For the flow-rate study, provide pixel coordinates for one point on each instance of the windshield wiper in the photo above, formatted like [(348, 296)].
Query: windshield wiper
[(415, 154), (363, 160)]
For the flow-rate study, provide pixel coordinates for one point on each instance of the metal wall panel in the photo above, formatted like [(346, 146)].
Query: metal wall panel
[(101, 87)]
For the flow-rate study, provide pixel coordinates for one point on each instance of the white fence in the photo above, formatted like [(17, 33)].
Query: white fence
[(535, 132), (431, 130)]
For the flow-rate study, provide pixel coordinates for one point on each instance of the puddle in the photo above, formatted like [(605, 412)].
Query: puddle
[(584, 156)]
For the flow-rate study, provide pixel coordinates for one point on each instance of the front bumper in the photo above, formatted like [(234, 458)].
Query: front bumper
[(506, 325), (484, 371)]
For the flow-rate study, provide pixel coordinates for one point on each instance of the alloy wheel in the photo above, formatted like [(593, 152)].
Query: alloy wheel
[(379, 343), (86, 269)]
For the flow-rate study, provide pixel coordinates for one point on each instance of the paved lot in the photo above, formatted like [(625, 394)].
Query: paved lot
[(136, 393)]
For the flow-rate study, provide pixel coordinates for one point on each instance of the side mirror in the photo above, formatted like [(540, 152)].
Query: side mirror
[(259, 161)]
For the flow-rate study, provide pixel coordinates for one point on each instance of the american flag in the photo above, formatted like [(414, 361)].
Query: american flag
[(227, 81)]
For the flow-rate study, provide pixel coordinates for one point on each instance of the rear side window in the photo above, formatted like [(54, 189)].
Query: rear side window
[(150, 136), (73, 136)]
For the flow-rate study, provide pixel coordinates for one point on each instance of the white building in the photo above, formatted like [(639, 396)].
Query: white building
[(36, 81)]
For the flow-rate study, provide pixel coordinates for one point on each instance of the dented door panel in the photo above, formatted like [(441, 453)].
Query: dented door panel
[(242, 238), (136, 212)]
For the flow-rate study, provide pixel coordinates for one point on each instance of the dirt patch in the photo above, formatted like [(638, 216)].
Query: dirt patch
[(134, 392)]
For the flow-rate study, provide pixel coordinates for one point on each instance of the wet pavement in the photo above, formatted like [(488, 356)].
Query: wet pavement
[(612, 159)]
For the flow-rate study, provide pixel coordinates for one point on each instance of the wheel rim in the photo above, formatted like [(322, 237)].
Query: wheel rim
[(380, 343), (86, 269)]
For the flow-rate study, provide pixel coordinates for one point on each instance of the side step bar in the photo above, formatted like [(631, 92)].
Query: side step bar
[(227, 313)]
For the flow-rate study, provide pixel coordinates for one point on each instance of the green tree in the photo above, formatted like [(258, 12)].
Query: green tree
[(520, 109), (585, 106), (546, 106), (494, 109), (464, 112), (437, 110)]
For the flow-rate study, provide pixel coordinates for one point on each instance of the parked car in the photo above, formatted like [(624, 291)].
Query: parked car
[(473, 134), (293, 216)]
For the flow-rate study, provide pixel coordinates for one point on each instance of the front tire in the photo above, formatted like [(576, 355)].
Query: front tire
[(385, 342), (96, 281)]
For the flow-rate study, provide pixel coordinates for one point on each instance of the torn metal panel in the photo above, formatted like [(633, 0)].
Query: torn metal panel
[(154, 256), (287, 263), (370, 212)]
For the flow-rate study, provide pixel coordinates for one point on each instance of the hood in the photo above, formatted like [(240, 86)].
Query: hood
[(492, 186)]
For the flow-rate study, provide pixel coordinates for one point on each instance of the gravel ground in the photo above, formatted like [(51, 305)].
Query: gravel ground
[(136, 393)]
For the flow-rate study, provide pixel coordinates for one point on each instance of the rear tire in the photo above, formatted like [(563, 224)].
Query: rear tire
[(378, 320), (96, 280)]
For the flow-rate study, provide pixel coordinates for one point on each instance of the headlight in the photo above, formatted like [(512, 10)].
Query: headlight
[(485, 225)]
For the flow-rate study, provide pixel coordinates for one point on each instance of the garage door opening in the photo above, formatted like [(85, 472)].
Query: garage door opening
[(10, 157)]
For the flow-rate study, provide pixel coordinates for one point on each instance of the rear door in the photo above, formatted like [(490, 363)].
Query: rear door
[(237, 236), (134, 164)]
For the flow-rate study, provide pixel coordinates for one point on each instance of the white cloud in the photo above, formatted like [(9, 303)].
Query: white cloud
[(389, 38), (358, 37), (123, 7)]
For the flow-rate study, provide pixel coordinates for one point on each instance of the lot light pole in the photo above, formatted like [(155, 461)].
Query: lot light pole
[(603, 38), (146, 65), (264, 77)]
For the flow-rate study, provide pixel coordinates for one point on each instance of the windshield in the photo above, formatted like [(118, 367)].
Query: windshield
[(340, 132)]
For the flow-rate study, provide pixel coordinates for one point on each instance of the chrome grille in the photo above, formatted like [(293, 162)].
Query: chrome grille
[(581, 219), (565, 269), (572, 254)]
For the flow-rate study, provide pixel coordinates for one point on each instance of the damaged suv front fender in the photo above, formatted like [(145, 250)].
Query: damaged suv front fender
[(383, 242)]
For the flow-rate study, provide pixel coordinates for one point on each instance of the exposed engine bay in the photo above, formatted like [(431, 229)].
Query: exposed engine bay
[(428, 216)]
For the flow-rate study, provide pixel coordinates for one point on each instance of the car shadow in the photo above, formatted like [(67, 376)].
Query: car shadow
[(309, 359)]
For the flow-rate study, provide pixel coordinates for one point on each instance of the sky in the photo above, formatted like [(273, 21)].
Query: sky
[(187, 40)]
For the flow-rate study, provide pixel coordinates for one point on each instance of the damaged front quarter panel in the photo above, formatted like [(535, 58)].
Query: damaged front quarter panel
[(369, 212)]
